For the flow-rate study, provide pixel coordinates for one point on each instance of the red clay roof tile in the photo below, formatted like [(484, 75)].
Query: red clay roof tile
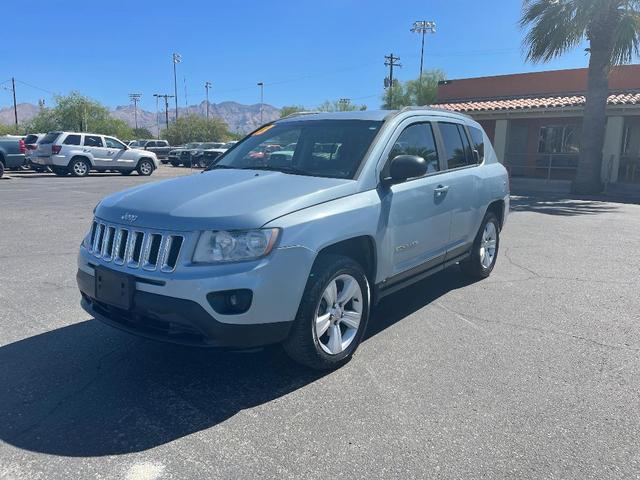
[(530, 103)]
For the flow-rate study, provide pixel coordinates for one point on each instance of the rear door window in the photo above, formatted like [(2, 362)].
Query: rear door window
[(72, 140), (456, 145), (92, 141), (150, 144)]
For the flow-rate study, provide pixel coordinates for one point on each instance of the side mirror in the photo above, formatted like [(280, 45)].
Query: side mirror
[(404, 167)]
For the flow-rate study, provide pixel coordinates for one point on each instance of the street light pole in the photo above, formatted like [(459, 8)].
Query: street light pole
[(207, 86), (261, 85), (177, 58)]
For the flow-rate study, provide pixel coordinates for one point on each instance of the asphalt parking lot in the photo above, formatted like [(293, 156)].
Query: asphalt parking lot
[(532, 373)]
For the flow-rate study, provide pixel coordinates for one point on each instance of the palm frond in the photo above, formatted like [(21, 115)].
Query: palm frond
[(627, 36), (555, 26)]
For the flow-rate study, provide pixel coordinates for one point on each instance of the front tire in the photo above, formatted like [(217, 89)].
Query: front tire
[(485, 249), (332, 316), (1, 169), (79, 167), (145, 167)]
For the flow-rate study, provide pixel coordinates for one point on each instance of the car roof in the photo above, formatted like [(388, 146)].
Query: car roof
[(372, 115)]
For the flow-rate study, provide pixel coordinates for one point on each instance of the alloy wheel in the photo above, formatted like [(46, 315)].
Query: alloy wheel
[(338, 314), (488, 244)]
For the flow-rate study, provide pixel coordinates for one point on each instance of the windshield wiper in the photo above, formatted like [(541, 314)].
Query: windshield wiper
[(215, 166), (283, 169)]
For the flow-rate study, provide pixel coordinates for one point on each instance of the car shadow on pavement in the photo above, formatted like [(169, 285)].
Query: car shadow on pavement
[(560, 205), (87, 390)]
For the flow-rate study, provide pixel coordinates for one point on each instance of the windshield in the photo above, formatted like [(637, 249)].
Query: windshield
[(191, 145), (211, 145), (321, 148)]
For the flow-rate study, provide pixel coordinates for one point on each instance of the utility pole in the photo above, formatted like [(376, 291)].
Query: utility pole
[(207, 86), (391, 61), (261, 85), (135, 98), (15, 105), (157, 95), (422, 27), (166, 106), (177, 58)]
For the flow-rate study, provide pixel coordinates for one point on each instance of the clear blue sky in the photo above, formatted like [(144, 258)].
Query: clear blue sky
[(305, 52)]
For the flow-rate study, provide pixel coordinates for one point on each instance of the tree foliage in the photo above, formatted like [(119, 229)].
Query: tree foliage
[(141, 133), (413, 92), (75, 112), (194, 128), (343, 105), (289, 109), (557, 26)]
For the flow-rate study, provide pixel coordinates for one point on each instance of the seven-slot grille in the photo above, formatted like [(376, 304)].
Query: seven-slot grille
[(135, 248)]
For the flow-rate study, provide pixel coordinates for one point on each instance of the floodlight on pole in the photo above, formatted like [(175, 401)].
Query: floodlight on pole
[(177, 58), (422, 27), (261, 85)]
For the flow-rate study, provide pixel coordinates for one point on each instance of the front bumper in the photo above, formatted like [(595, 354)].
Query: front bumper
[(177, 320), (174, 306)]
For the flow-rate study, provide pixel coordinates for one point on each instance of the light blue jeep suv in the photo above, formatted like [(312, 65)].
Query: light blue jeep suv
[(295, 248)]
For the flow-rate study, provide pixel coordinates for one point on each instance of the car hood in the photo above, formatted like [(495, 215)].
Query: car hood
[(220, 199)]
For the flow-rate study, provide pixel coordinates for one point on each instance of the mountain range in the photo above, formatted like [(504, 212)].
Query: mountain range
[(240, 118)]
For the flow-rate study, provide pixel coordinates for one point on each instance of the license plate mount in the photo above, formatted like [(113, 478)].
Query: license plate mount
[(114, 288)]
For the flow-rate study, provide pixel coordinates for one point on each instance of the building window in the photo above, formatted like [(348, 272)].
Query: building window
[(559, 139), (631, 139)]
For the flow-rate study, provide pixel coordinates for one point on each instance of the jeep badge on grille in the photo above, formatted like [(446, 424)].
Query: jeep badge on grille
[(129, 217)]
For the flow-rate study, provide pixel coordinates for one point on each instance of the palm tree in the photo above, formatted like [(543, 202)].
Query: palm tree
[(612, 29)]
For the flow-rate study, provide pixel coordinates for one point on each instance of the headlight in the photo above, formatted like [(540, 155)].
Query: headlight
[(222, 246), (194, 152)]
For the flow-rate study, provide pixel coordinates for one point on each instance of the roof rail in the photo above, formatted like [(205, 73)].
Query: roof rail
[(297, 114), (434, 109)]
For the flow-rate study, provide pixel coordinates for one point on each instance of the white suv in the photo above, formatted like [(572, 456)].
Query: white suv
[(78, 153)]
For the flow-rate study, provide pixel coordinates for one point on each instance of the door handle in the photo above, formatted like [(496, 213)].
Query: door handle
[(441, 190), (109, 152)]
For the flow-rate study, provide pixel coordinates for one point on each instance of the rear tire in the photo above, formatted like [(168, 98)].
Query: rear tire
[(175, 164), (485, 249), (60, 171), (1, 169), (145, 167), (332, 316), (79, 167)]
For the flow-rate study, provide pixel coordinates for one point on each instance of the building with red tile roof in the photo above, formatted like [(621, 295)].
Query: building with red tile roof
[(535, 119)]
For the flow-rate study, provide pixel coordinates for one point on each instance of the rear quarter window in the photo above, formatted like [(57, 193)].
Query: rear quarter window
[(50, 138), (477, 137)]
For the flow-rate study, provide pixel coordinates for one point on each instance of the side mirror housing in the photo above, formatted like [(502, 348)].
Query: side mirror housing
[(404, 167)]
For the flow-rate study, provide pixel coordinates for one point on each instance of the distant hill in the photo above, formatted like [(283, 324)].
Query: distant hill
[(240, 118)]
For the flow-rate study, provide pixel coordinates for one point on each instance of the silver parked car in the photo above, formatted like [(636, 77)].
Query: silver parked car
[(78, 153), (298, 249)]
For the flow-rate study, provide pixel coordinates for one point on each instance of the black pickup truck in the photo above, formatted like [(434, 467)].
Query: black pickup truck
[(12, 152)]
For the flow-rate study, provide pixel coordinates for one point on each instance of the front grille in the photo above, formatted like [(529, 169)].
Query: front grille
[(135, 248)]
